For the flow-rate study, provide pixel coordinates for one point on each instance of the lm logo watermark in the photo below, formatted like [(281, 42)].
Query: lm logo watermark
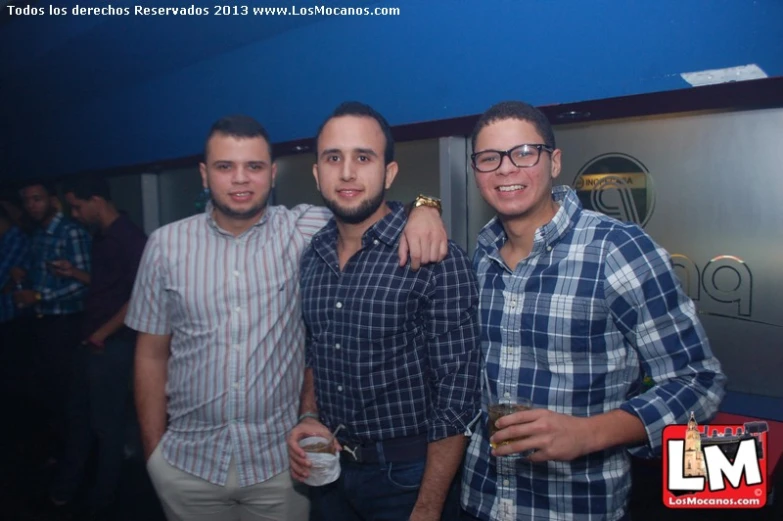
[(715, 466)]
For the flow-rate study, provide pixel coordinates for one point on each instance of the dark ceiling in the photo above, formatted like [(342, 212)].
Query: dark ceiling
[(74, 58), (100, 91)]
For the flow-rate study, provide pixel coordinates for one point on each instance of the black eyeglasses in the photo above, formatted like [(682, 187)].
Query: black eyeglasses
[(521, 156)]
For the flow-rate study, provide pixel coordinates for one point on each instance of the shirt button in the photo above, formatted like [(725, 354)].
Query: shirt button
[(376, 242), (507, 395), (506, 482), (235, 385), (339, 387), (236, 273), (339, 305), (238, 309), (548, 248), (337, 346), (513, 303)]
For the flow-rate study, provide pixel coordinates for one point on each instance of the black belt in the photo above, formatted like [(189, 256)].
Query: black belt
[(395, 450)]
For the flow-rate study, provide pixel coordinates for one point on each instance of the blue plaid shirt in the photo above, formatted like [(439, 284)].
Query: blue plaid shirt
[(571, 328), (61, 239), (394, 352), (13, 249)]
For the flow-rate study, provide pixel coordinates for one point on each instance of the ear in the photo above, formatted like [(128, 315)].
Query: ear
[(555, 163), (202, 168), (391, 172), (315, 176)]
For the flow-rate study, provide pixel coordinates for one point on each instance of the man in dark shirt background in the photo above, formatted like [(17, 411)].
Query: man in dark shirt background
[(392, 354), (103, 365)]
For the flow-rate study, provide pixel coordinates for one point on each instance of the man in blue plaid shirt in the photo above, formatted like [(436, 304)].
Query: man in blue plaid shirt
[(575, 307), (391, 354), (13, 250), (54, 303)]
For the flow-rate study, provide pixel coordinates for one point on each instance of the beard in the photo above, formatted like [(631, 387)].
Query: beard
[(358, 214), (226, 210)]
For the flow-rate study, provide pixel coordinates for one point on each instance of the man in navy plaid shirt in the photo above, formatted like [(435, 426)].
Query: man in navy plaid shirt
[(575, 307), (55, 303), (391, 354)]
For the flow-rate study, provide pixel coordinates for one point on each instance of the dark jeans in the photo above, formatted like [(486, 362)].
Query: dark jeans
[(53, 338), (376, 492), (467, 517), (98, 411)]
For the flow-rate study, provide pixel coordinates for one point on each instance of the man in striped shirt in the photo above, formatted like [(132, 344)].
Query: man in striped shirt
[(575, 307), (220, 352)]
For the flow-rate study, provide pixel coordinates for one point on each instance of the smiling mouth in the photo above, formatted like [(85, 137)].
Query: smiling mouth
[(349, 192), (510, 188)]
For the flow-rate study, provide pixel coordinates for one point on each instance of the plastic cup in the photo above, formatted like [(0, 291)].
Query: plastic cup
[(326, 464)]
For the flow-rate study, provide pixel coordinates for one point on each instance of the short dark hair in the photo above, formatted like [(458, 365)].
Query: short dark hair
[(46, 185), (238, 126), (85, 187), (355, 108), (515, 110)]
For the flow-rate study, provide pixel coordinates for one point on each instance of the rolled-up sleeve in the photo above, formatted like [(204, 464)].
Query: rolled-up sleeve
[(649, 306), (453, 346)]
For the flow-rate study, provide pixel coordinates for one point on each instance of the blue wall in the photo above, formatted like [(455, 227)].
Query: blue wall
[(439, 59)]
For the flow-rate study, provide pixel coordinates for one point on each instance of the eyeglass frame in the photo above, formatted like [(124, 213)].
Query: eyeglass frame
[(507, 153)]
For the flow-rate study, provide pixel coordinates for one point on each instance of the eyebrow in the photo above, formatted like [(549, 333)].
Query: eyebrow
[(231, 162), (366, 151)]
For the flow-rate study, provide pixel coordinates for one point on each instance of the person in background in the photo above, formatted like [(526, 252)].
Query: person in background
[(575, 307), (220, 349), (13, 250), (103, 364), (54, 303)]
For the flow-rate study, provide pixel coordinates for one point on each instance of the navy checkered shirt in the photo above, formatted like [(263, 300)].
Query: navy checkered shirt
[(571, 328), (394, 352), (61, 239), (13, 250)]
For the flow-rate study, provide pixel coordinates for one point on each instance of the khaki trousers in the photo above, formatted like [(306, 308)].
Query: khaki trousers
[(185, 497)]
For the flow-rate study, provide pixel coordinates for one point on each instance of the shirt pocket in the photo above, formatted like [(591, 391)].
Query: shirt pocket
[(576, 328)]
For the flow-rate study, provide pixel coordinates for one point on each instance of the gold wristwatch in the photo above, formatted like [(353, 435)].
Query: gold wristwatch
[(425, 200)]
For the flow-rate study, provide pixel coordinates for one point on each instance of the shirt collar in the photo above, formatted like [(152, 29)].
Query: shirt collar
[(492, 237), (387, 230), (215, 227), (52, 227)]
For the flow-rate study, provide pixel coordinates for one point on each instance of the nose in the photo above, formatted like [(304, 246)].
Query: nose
[(347, 172), (240, 176), (506, 166)]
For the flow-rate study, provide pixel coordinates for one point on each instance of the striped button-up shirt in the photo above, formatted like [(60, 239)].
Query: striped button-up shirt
[(572, 328), (394, 352), (231, 306), (61, 239)]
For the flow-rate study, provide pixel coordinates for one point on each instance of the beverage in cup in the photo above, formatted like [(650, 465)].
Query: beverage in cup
[(498, 410)]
